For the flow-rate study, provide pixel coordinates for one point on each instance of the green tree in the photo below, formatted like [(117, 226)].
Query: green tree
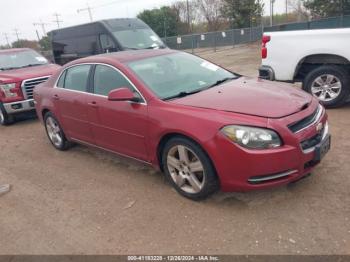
[(45, 43), (22, 43), (243, 13), (327, 8), (163, 21)]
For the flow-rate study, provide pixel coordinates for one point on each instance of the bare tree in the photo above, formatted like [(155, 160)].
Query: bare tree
[(297, 7), (210, 10), (188, 13)]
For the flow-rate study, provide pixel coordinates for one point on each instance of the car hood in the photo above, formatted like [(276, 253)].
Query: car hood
[(28, 72), (251, 96)]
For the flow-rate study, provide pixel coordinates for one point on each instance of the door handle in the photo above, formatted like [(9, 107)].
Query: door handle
[(56, 97), (93, 104)]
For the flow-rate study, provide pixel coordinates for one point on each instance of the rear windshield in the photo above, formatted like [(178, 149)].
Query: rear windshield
[(20, 59), (138, 39)]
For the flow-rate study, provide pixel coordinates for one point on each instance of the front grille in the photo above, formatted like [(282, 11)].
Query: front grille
[(312, 142), (307, 121), (29, 85)]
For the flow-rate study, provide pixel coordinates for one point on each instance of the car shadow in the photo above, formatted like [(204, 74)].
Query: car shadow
[(24, 119)]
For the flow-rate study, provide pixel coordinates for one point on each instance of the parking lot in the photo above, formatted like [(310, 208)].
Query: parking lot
[(85, 201)]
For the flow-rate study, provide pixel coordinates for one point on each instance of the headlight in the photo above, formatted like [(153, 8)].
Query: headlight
[(6, 89), (252, 137)]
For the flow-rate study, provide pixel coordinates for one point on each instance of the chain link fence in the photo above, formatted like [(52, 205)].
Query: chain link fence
[(326, 23), (196, 43), (214, 40)]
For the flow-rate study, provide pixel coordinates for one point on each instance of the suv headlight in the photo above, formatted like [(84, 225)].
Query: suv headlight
[(6, 89), (252, 137)]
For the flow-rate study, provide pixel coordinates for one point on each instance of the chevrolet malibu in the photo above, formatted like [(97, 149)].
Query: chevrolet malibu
[(205, 127)]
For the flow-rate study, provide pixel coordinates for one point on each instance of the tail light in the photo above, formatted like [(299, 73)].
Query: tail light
[(264, 41)]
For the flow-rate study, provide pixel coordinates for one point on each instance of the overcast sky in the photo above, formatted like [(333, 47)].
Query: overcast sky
[(21, 14)]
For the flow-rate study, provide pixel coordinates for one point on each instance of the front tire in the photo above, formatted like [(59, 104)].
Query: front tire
[(5, 119), (189, 169), (330, 84), (55, 133)]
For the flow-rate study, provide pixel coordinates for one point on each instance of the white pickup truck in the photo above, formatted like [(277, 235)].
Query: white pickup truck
[(320, 59)]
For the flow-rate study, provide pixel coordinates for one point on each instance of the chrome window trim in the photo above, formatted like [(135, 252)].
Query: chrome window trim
[(144, 102)]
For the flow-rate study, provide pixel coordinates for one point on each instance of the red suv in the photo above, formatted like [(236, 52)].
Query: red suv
[(203, 126), (20, 71)]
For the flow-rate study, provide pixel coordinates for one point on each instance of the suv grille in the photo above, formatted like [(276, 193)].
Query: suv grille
[(307, 121), (29, 84)]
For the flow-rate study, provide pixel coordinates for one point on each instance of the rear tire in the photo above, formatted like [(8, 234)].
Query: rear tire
[(330, 84), (189, 169), (55, 133), (5, 119)]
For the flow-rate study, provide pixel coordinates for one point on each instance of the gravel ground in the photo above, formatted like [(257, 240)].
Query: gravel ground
[(86, 201)]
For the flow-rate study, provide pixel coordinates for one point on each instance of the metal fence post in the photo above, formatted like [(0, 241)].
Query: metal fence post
[(233, 38), (215, 41), (192, 44)]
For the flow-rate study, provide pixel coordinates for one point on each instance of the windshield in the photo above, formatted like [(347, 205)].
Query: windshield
[(20, 59), (138, 39), (180, 74)]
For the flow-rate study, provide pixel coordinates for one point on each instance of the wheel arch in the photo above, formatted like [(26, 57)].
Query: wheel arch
[(44, 111), (310, 62), (166, 137)]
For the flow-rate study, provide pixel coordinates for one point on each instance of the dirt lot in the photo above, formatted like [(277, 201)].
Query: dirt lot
[(85, 201)]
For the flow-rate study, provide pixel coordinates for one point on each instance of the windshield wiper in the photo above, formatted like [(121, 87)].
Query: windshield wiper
[(30, 65), (221, 81), (183, 94), (154, 47), (130, 48), (8, 68)]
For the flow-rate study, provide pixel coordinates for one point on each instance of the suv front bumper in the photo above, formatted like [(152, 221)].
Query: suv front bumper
[(19, 106), (266, 72)]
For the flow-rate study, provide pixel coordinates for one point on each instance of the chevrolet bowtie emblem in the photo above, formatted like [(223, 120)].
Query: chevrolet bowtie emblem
[(319, 127)]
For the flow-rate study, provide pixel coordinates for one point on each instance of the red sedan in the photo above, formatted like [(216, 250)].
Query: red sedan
[(205, 127)]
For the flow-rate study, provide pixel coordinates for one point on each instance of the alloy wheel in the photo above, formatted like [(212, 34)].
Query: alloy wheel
[(186, 169), (54, 131), (326, 87)]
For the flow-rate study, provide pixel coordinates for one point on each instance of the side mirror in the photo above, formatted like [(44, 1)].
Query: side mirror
[(123, 94)]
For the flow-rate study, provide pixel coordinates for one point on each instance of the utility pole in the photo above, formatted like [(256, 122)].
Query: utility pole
[(341, 13), (165, 32), (7, 39), (188, 16), (42, 26), (16, 33), (58, 21), (89, 9), (286, 11), (272, 2), (37, 34)]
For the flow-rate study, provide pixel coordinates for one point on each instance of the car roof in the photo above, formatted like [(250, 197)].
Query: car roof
[(13, 50), (124, 56), (113, 23)]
